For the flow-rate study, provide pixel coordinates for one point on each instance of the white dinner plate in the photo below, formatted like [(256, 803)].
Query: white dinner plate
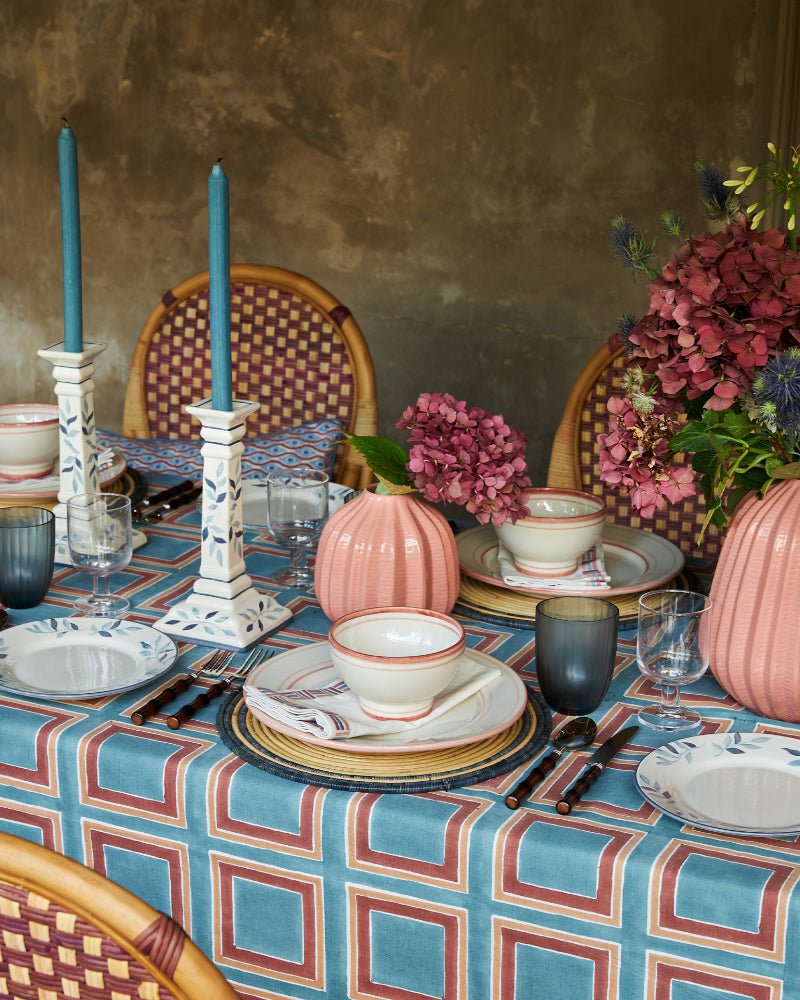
[(634, 559), (486, 713), (254, 501), (46, 487), (745, 783), (78, 658)]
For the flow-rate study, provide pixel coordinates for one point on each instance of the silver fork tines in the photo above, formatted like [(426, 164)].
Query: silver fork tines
[(215, 665), (185, 712), (255, 657)]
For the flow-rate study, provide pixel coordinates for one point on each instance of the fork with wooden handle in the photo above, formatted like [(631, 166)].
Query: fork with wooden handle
[(187, 711), (214, 666)]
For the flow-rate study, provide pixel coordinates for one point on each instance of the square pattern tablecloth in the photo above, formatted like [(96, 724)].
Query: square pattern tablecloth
[(304, 892)]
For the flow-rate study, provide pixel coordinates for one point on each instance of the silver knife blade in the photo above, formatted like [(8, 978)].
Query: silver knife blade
[(612, 746), (594, 768)]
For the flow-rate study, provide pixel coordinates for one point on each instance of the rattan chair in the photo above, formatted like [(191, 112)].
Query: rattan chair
[(295, 348), (574, 457), (66, 931)]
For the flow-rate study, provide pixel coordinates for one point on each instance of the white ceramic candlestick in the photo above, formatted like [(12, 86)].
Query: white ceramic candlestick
[(224, 609), (73, 371)]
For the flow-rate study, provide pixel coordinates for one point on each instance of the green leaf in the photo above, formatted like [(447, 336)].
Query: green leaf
[(790, 471), (387, 459), (735, 497), (704, 461), (690, 438)]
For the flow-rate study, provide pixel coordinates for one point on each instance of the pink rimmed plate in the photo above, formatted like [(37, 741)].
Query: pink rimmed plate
[(46, 488), (488, 712), (635, 560)]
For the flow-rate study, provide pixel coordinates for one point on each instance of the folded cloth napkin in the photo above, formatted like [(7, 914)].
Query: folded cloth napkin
[(590, 574), (334, 712)]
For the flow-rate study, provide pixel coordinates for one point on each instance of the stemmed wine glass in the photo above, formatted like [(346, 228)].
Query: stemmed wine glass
[(100, 539), (297, 508), (672, 648)]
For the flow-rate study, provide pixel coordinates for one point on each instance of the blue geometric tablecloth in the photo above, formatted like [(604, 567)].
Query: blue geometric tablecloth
[(296, 891)]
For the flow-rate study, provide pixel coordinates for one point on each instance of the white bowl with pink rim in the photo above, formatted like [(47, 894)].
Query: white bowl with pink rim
[(396, 659), (28, 439), (562, 525)]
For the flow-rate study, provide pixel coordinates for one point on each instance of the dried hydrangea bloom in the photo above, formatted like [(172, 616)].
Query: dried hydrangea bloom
[(463, 454)]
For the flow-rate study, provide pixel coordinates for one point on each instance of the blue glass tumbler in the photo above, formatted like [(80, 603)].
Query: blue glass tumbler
[(27, 551), (576, 645)]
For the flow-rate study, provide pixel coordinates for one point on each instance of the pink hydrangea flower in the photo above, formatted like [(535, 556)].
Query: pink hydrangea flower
[(462, 454), (724, 305), (635, 456)]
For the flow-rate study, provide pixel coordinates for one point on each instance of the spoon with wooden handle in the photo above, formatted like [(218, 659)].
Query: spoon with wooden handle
[(577, 733)]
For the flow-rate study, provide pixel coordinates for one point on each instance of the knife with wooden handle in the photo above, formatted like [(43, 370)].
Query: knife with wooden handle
[(594, 768)]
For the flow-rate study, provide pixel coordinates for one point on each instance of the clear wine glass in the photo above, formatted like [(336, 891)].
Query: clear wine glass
[(672, 648), (100, 539), (297, 508)]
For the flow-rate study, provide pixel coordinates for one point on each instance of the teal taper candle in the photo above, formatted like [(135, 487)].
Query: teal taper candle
[(219, 267), (70, 240)]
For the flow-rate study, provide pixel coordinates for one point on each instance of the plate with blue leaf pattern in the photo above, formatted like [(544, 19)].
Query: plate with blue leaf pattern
[(741, 783), (80, 658)]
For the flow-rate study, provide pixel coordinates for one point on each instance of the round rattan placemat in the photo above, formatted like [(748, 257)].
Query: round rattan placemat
[(426, 771), (501, 606), (130, 484)]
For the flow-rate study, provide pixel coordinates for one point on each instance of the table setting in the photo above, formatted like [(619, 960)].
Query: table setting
[(504, 735)]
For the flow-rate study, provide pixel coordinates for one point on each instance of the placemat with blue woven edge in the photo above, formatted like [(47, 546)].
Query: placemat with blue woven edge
[(426, 771)]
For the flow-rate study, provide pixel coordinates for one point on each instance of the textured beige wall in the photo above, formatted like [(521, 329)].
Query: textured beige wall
[(447, 168)]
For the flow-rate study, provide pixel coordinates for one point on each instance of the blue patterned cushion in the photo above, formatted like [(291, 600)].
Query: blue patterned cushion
[(313, 444)]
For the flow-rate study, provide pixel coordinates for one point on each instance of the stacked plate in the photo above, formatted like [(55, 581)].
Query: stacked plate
[(43, 492), (494, 730), (635, 560)]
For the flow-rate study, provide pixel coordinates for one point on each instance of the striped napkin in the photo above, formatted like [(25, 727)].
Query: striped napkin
[(590, 574), (334, 712)]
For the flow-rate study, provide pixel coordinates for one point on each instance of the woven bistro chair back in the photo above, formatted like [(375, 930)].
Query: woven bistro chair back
[(294, 348), (574, 459), (66, 931)]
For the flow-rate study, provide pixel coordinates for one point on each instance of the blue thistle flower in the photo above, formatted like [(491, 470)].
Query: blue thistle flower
[(720, 203), (776, 390), (625, 324), (672, 223), (630, 244)]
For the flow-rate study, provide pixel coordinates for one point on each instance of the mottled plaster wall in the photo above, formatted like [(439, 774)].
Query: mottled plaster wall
[(447, 168)]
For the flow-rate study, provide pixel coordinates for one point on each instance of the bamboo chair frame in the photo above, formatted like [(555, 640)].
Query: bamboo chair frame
[(680, 524), (350, 468), (151, 939)]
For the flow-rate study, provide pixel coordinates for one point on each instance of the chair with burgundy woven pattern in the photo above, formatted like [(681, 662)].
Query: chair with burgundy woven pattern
[(574, 459), (295, 348), (67, 931)]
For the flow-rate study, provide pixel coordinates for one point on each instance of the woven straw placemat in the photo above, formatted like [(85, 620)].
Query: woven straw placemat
[(426, 771), (130, 484), (501, 606)]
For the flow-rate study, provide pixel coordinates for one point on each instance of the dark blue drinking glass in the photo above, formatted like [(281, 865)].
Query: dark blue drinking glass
[(27, 551), (576, 645)]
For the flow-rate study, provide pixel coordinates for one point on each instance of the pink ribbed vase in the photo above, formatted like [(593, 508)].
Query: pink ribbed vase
[(386, 551), (755, 624)]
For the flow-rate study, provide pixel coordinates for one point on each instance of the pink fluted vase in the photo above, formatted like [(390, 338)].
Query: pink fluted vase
[(755, 624), (386, 551)]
